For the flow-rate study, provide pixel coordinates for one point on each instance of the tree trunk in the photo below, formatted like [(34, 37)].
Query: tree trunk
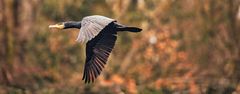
[(8, 28), (9, 21)]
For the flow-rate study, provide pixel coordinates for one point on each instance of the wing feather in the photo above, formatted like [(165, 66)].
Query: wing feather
[(91, 27), (97, 51)]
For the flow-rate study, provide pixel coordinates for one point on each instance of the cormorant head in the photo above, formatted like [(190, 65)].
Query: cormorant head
[(66, 25)]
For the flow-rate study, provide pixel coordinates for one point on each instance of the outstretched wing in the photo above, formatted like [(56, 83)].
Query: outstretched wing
[(91, 27), (97, 52)]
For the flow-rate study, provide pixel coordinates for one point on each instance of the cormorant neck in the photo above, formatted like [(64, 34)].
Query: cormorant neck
[(72, 25)]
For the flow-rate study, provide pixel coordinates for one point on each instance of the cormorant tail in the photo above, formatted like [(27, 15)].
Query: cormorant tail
[(131, 29), (127, 28)]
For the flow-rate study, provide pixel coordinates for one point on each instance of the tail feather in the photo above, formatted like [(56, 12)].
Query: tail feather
[(131, 29), (121, 27)]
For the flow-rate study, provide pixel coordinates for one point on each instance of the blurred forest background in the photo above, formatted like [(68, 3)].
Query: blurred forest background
[(186, 47)]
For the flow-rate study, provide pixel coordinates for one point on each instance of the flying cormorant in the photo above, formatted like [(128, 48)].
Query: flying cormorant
[(99, 33)]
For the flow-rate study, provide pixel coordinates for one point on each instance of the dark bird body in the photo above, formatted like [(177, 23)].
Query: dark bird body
[(100, 41)]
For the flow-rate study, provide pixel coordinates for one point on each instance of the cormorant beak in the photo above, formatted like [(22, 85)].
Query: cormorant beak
[(58, 26)]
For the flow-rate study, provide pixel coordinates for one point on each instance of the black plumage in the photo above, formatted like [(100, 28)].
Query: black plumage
[(97, 52)]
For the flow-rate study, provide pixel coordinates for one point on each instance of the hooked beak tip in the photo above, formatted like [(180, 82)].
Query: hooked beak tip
[(51, 26)]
